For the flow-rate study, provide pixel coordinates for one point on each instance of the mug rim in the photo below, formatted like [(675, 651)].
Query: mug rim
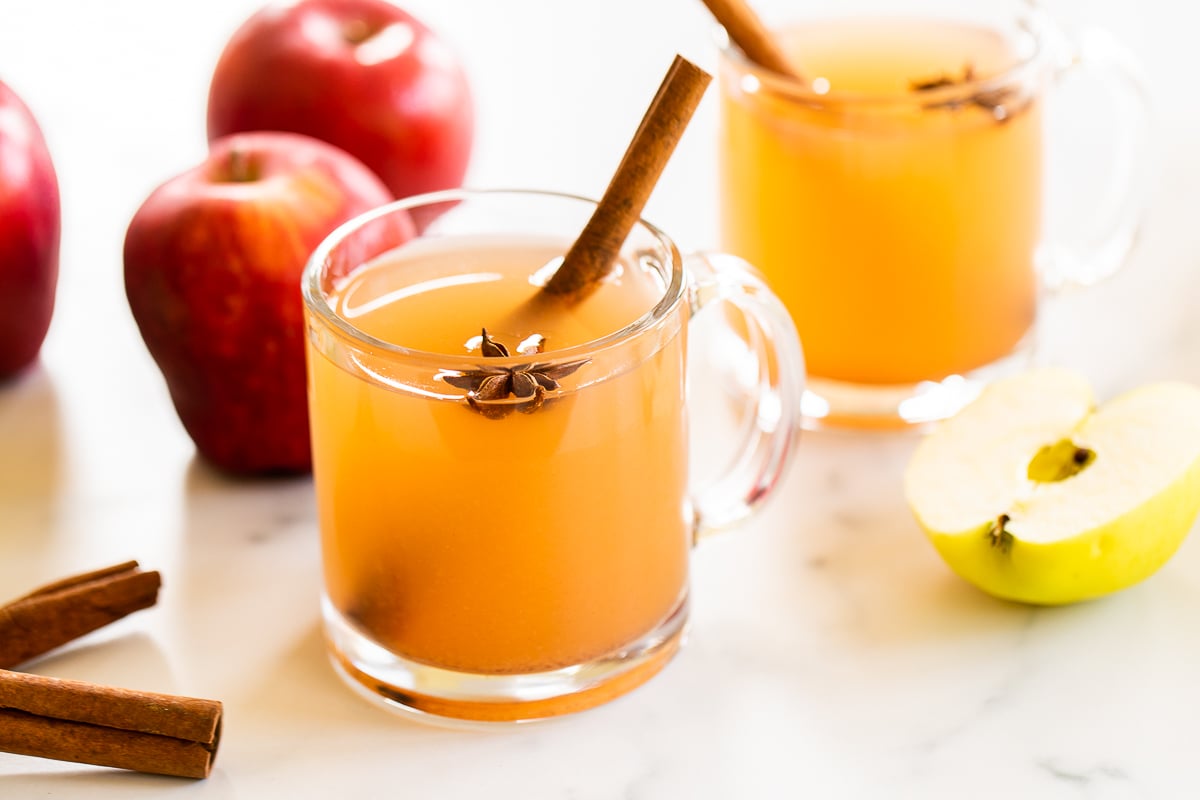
[(1034, 22), (315, 301)]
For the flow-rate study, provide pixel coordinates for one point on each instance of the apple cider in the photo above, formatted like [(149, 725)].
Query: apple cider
[(499, 540), (895, 216)]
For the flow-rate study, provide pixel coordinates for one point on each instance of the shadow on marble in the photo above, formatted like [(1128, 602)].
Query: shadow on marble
[(848, 558), (304, 671), (31, 458), (80, 781), (248, 573), (1182, 361), (254, 509), (301, 691), (894, 591), (108, 656)]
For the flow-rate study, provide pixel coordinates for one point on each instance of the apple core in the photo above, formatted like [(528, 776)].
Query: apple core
[(1057, 462)]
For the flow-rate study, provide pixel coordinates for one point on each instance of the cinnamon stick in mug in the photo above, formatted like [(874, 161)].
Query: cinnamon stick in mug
[(59, 612), (592, 255)]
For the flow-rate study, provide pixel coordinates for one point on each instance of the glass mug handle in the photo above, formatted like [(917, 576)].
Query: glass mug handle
[(772, 418), (1101, 248)]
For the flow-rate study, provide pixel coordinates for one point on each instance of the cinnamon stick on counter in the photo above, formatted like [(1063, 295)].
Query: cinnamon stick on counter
[(90, 724), (64, 610), (751, 36), (593, 253)]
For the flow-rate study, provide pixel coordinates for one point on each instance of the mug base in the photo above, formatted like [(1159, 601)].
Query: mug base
[(460, 699), (837, 404)]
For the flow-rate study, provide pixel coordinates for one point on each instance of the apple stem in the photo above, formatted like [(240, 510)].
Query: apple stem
[(1000, 538)]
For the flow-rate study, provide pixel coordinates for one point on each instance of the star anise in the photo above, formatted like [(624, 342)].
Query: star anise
[(1002, 103), (490, 387)]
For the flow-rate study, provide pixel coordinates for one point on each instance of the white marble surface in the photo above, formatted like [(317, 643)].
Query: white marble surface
[(831, 653)]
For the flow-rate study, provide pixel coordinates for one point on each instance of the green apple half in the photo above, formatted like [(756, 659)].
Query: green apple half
[(1033, 494)]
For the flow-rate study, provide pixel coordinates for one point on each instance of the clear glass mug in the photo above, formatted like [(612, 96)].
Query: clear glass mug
[(895, 196), (506, 537)]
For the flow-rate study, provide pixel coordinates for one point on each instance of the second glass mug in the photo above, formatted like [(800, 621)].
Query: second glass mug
[(506, 519), (894, 196)]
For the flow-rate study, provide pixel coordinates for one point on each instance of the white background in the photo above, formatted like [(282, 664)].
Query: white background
[(831, 654)]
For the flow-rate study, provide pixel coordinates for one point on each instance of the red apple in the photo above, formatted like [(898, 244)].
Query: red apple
[(361, 74), (213, 262), (30, 222)]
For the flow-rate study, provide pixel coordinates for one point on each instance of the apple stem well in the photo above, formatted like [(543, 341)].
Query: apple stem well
[(358, 30), (241, 168), (1059, 461)]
